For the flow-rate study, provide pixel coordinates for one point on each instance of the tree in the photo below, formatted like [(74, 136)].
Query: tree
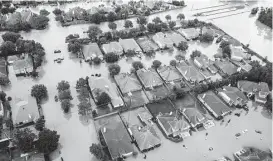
[(93, 32), (114, 69), (65, 94), (103, 99), (195, 53), (265, 16), (156, 64), (65, 104), (168, 17), (48, 141), (131, 53), (39, 91), (157, 20), (63, 85), (40, 22), (74, 47), (142, 20), (128, 24), (183, 46), (3, 96), (59, 18), (84, 108), (142, 28), (11, 36), (57, 11), (112, 25), (206, 37), (173, 63), (4, 80), (81, 83), (181, 16), (44, 12), (226, 51), (179, 57), (111, 57), (97, 60), (149, 53), (112, 16), (98, 152), (172, 24), (7, 48), (24, 139), (179, 92), (97, 18), (224, 43), (40, 124), (137, 65)]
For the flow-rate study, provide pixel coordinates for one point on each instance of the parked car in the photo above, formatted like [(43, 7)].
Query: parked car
[(57, 51)]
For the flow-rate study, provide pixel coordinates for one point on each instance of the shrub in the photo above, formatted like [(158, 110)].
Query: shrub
[(150, 53), (97, 60), (59, 18), (130, 53), (137, 65), (111, 57), (103, 99), (65, 104), (206, 37), (195, 53), (81, 83), (40, 124), (4, 80), (114, 69), (224, 44), (183, 46), (156, 64), (180, 16), (57, 11), (173, 63)]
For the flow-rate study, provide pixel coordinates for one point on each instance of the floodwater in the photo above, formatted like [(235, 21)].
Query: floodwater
[(77, 133)]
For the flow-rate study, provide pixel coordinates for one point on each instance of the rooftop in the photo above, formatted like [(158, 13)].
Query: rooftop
[(202, 61), (160, 107), (189, 33), (129, 44), (248, 86), (135, 99), (91, 50), (194, 116), (190, 73), (233, 93), (149, 78), (21, 64), (31, 157), (128, 82), (162, 40), (169, 73), (253, 154), (175, 37), (114, 47), (226, 66), (146, 44)]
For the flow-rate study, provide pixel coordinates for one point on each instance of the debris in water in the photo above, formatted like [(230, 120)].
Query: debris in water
[(210, 149), (237, 114), (238, 134), (258, 131)]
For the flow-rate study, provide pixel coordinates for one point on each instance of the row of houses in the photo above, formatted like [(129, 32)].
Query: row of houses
[(24, 16)]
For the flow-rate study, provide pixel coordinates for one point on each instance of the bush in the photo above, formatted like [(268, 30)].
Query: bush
[(97, 60), (224, 44), (183, 46), (111, 57), (173, 63), (63, 85), (180, 16), (206, 37), (65, 104), (130, 53), (57, 11), (150, 53), (59, 18), (44, 12), (195, 53), (74, 47), (4, 80), (94, 113), (114, 69), (156, 64), (39, 91), (137, 65), (103, 99)]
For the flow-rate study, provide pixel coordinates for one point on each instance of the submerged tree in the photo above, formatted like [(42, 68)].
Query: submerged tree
[(39, 91), (24, 139), (48, 141), (98, 152)]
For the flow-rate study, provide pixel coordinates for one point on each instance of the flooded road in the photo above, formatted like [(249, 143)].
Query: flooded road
[(77, 134)]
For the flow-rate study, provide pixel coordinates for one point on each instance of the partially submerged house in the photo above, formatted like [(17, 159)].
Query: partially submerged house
[(161, 107), (243, 65), (239, 54), (214, 104), (129, 44), (175, 37), (27, 16), (233, 96), (146, 44), (149, 78), (128, 82), (253, 154), (190, 73), (135, 99), (189, 33), (23, 65), (202, 61), (25, 111), (226, 67), (258, 90), (13, 18), (116, 138), (101, 84), (162, 40), (194, 117), (169, 74), (112, 47), (3, 68), (91, 51)]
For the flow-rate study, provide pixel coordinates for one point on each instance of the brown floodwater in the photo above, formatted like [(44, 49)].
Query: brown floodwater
[(78, 133)]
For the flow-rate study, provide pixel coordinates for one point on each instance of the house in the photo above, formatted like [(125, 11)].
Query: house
[(27, 16), (116, 138), (23, 65), (202, 61), (91, 51), (189, 33), (129, 44), (67, 17), (135, 99), (3, 68), (13, 18), (194, 117), (25, 112), (212, 68), (175, 37), (207, 30), (145, 137), (172, 126), (146, 44), (232, 96), (162, 40), (99, 85), (161, 107), (149, 78), (158, 93), (169, 74), (238, 54), (190, 73), (112, 47), (259, 90), (253, 154), (214, 104), (226, 67), (128, 82), (243, 65), (30, 157)]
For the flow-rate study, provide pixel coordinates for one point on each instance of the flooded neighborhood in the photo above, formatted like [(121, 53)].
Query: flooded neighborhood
[(136, 80)]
